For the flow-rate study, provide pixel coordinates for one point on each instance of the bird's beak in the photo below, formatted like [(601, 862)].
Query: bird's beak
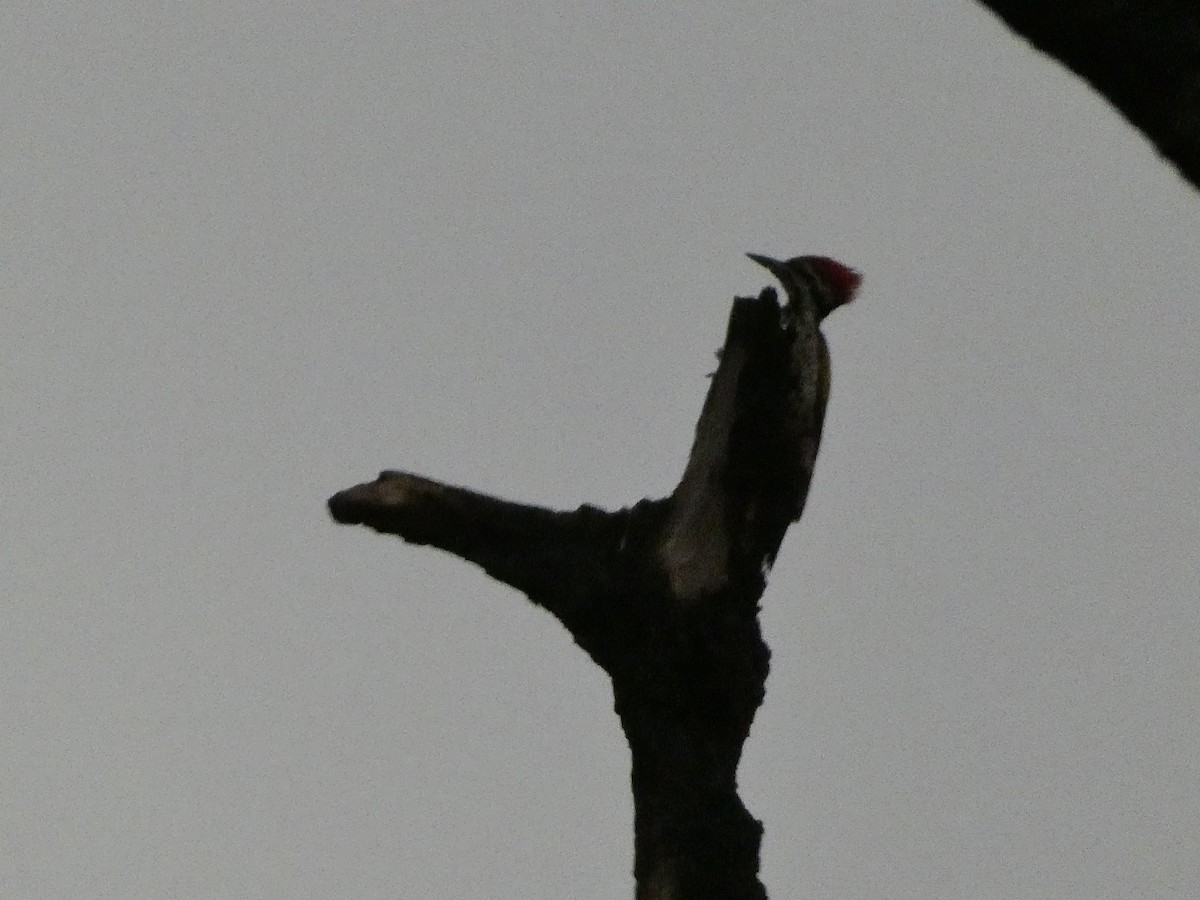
[(774, 266)]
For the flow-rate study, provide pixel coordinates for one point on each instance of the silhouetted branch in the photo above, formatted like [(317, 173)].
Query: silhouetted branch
[(664, 595), (528, 547), (1144, 57)]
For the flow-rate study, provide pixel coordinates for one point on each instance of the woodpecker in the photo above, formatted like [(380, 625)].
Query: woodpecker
[(815, 287), (819, 281)]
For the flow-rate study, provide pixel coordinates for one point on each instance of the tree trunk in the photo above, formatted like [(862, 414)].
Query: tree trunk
[(664, 595)]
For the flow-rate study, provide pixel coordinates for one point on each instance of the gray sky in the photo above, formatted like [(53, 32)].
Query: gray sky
[(253, 253)]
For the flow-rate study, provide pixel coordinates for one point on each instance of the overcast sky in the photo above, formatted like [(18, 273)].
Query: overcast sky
[(252, 253)]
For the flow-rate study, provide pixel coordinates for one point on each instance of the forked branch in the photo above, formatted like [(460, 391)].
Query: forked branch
[(664, 595)]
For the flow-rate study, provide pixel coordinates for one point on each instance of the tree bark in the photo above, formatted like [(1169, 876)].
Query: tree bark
[(664, 595), (1144, 57)]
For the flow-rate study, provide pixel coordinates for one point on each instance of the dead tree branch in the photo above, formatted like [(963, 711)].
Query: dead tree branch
[(664, 595)]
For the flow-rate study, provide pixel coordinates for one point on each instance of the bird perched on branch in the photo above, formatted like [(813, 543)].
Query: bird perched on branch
[(815, 287)]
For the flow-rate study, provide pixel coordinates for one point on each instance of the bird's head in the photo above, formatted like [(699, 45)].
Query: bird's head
[(825, 282)]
